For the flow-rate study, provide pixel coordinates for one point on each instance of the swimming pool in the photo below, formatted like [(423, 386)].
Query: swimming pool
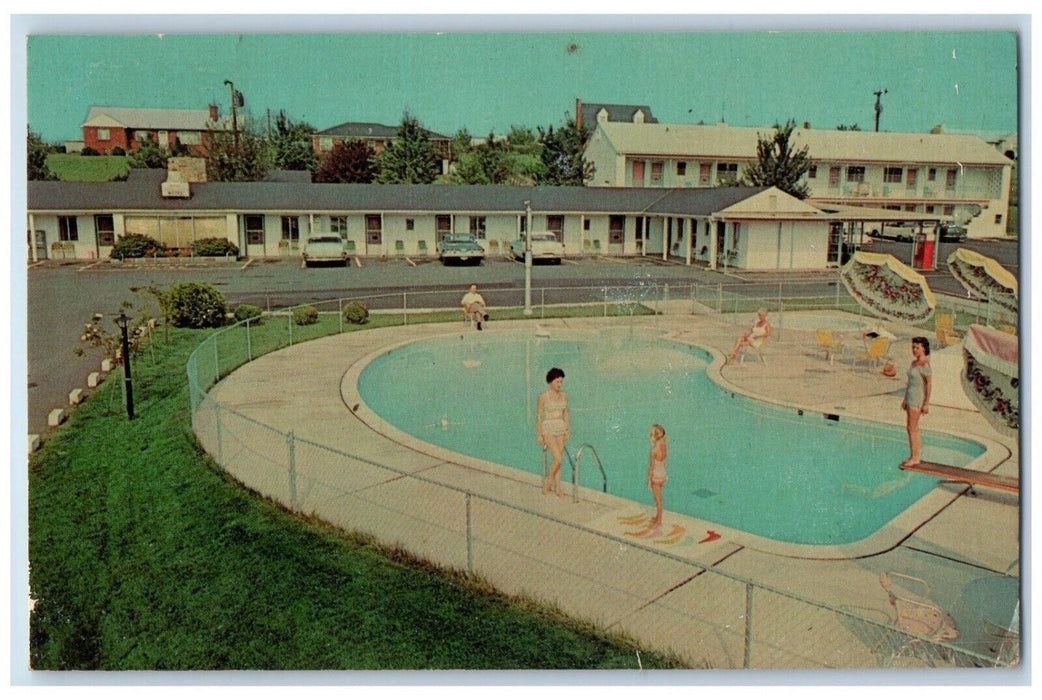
[(792, 476)]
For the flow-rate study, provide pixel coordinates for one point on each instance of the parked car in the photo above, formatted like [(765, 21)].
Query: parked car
[(460, 247), (545, 246), (953, 232), (327, 248)]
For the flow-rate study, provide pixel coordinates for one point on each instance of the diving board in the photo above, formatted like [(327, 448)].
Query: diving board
[(968, 476)]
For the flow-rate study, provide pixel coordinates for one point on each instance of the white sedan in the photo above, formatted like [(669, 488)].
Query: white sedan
[(324, 249), (545, 246)]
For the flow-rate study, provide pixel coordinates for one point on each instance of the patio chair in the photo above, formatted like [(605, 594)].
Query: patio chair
[(878, 349), (826, 342), (920, 619), (493, 246), (944, 327), (756, 350)]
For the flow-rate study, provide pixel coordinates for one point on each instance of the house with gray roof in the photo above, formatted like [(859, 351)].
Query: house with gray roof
[(126, 128), (756, 228), (589, 114), (378, 136), (955, 177)]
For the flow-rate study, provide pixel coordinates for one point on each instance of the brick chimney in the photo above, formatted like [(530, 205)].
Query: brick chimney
[(213, 112)]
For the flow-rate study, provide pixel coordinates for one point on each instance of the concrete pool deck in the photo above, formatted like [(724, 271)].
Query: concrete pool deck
[(951, 539)]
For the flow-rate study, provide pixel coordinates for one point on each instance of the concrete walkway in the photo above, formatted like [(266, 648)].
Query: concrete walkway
[(717, 596)]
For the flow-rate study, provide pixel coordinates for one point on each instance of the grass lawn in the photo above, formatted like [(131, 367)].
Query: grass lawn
[(76, 167), (145, 556)]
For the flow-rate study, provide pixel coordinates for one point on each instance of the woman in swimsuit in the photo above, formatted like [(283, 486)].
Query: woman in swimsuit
[(916, 401), (553, 426), (657, 470), (756, 335)]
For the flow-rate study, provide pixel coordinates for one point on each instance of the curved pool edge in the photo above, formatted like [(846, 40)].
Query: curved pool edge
[(889, 536)]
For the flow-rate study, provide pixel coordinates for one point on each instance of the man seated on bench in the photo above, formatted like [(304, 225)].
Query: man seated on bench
[(474, 307)]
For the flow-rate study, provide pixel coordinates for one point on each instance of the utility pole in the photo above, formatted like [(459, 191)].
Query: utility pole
[(528, 258), (879, 105), (237, 101)]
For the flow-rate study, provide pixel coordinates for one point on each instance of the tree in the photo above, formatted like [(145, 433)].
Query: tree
[(291, 145), (350, 161), (410, 158), (149, 155), (231, 159), (562, 155), (36, 162), (779, 163), (486, 163), (848, 127)]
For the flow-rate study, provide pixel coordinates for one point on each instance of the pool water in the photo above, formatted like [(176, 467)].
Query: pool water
[(767, 470)]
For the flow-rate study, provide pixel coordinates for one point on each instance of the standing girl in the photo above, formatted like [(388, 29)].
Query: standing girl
[(657, 470), (916, 400), (553, 426)]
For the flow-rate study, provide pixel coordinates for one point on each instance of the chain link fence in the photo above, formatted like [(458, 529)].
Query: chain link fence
[(708, 616)]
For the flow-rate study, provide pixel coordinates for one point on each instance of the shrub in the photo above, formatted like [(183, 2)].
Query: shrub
[(194, 305), (215, 247), (118, 151), (134, 245), (248, 311), (356, 312), (89, 151), (305, 315)]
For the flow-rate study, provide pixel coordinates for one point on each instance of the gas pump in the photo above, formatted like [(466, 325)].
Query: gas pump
[(923, 247)]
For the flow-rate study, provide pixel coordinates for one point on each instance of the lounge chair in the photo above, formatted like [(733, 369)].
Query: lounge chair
[(920, 619), (944, 327), (878, 349), (827, 343)]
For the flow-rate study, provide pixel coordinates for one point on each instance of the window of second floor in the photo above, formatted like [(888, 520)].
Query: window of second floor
[(704, 170), (892, 174), (949, 178), (681, 168), (656, 172), (726, 172), (812, 172), (834, 176), (855, 173)]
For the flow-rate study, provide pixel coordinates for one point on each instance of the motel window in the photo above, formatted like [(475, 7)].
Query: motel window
[(833, 176), (855, 173), (477, 227), (949, 180), (586, 224), (681, 168), (812, 172), (909, 207), (104, 135), (254, 225), (656, 172), (616, 229), (555, 223), (931, 174), (105, 228), (913, 174), (443, 225), (642, 223), (727, 172), (704, 170), (949, 210), (290, 228), (998, 218), (374, 233), (338, 225), (929, 209), (892, 175), (410, 224), (67, 230)]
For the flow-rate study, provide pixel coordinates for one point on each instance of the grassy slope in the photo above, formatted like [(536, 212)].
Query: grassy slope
[(74, 167), (144, 556)]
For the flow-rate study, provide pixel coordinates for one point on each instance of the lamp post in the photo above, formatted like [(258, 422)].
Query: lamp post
[(528, 258), (879, 105), (236, 102), (128, 383)]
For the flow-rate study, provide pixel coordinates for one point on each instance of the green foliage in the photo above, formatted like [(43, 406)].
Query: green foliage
[(134, 245), (356, 312), (562, 155), (149, 155), (410, 158), (119, 151), (848, 127), (305, 315), (350, 161), (249, 311), (194, 305), (214, 247), (779, 164), (36, 161), (243, 156), (291, 144), (89, 151)]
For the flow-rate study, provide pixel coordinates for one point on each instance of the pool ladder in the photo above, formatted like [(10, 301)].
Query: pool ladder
[(575, 468)]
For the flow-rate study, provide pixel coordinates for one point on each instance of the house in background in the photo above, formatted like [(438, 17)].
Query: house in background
[(591, 114), (953, 177), (126, 128), (377, 136)]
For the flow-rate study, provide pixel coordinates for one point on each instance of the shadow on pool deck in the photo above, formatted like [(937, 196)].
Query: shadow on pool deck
[(583, 557)]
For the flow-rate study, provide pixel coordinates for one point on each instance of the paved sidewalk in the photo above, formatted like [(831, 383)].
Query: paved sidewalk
[(657, 590)]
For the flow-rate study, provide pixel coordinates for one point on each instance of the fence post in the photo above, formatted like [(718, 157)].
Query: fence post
[(291, 447), (249, 344), (216, 361), (542, 302), (470, 544), (748, 625), (605, 290), (340, 313), (290, 321), (405, 309)]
